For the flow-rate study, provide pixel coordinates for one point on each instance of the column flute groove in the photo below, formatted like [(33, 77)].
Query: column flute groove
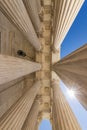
[(63, 19), (31, 6), (64, 115), (12, 68), (16, 11), (31, 120), (72, 70), (16, 115)]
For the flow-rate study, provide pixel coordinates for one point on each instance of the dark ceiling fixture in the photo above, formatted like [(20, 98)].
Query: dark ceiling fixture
[(23, 54)]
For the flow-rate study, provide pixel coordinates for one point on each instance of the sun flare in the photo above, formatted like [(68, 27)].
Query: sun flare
[(71, 93)]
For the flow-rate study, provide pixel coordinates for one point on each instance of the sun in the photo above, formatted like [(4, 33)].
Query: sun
[(71, 93)]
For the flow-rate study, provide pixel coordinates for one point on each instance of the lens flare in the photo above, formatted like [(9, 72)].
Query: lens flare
[(71, 93)]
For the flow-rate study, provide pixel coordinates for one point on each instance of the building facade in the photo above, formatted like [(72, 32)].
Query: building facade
[(31, 34)]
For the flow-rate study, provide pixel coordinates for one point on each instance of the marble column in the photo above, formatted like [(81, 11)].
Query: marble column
[(54, 121), (30, 122), (72, 70), (31, 6), (12, 68), (38, 6), (17, 13), (16, 115), (64, 117), (65, 12), (36, 126)]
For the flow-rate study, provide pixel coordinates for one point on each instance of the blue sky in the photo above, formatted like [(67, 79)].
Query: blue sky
[(76, 37)]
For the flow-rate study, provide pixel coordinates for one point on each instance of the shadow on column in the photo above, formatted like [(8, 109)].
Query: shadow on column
[(72, 70)]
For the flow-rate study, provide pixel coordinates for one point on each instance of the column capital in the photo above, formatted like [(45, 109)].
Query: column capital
[(55, 81), (54, 49)]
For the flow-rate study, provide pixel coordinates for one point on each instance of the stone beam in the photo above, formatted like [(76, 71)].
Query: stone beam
[(63, 117), (16, 115), (17, 13), (72, 70), (65, 12), (12, 68)]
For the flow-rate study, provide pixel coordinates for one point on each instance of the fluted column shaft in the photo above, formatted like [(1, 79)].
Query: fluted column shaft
[(12, 68), (38, 5), (30, 123), (36, 126), (31, 6), (15, 117), (17, 13), (65, 119), (64, 15), (72, 70), (54, 121)]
